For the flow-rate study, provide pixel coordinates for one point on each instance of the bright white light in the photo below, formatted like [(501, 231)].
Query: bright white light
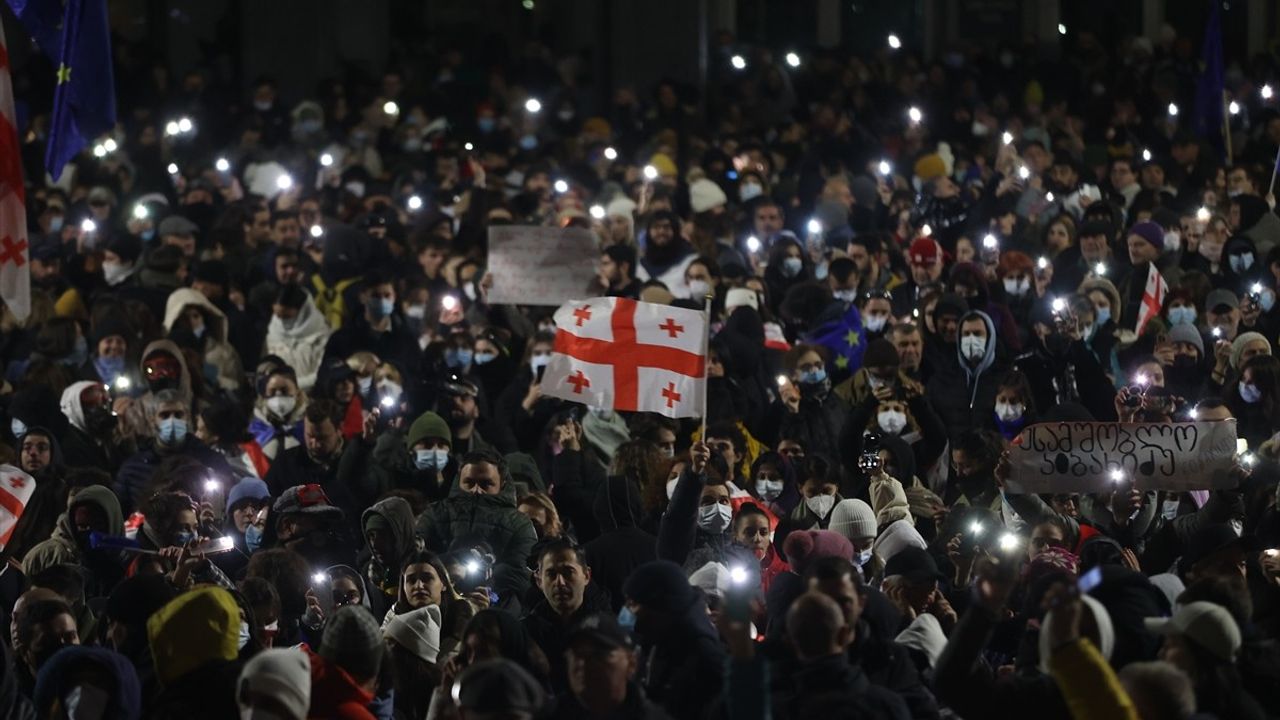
[(738, 575), (610, 154), (894, 41), (975, 528), (533, 106), (814, 226), (1062, 29), (1100, 269), (782, 380), (561, 186), (99, 151), (468, 146), (390, 107), (885, 168), (1194, 413), (1048, 197), (738, 62), (88, 226), (753, 244), (597, 212), (319, 579), (1146, 155), (1173, 110), (212, 486), (989, 242), (284, 182), (1266, 92), (1141, 379), (387, 401), (925, 230), (122, 383), (1217, 332), (1256, 288), (1203, 214), (184, 125), (222, 165), (1117, 475), (793, 59), (1042, 263), (914, 114), (1006, 137), (316, 231), (110, 145), (1059, 305), (140, 212), (1008, 541), (1233, 107), (171, 128), (415, 202), (473, 567), (449, 302), (225, 543), (650, 173), (1024, 172), (326, 160)]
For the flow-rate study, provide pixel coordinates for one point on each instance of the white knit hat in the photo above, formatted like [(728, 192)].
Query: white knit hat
[(417, 631), (705, 195), (283, 674), (898, 536), (621, 205), (853, 519)]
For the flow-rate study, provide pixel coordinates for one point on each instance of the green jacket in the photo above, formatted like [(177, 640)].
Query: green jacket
[(464, 518), (61, 548)]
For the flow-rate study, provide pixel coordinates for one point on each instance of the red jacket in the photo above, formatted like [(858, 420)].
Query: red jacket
[(335, 695)]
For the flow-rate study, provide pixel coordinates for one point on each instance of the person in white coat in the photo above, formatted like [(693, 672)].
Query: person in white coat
[(297, 334)]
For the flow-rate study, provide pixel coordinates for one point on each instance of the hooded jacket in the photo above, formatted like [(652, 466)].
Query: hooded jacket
[(61, 547), (386, 578), (58, 676), (275, 435), (965, 395), (79, 447), (621, 546), (136, 421), (194, 645), (335, 695), (301, 344), (494, 519), (217, 351), (46, 503), (134, 477)]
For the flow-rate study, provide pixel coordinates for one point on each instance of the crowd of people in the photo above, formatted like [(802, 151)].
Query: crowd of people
[(289, 462)]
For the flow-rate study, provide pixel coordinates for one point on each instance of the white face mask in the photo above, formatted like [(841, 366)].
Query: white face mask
[(85, 702), (875, 323), (281, 405), (1017, 287), (1009, 412), (715, 518), (847, 296), (973, 347), (768, 490), (892, 421), (698, 289), (114, 272), (259, 714), (863, 558), (821, 504)]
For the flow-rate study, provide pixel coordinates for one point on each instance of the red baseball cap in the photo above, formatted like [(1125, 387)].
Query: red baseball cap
[(924, 251)]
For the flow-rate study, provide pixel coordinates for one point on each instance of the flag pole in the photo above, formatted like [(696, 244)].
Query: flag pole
[(706, 365), (1226, 127), (1272, 188)]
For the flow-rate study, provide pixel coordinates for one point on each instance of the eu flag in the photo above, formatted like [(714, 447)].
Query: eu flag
[(1209, 86), (844, 339), (84, 103)]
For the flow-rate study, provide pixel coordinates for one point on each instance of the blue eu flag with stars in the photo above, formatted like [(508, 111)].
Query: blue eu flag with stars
[(77, 36)]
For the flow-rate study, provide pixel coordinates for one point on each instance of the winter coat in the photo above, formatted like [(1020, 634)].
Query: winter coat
[(301, 344), (964, 395), (397, 346), (683, 669), (59, 675), (296, 467), (818, 423), (217, 351), (79, 448), (634, 707), (575, 479), (621, 546), (134, 479), (275, 435), (335, 695), (193, 643), (390, 467), (550, 632), (47, 502), (386, 578), (681, 541), (61, 547), (494, 519), (835, 675), (136, 421), (14, 705)]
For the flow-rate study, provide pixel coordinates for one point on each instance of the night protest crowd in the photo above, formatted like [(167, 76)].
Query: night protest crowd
[(261, 322)]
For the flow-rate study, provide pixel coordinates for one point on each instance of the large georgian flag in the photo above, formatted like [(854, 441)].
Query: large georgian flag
[(16, 488), (15, 276), (631, 356), (1152, 298)]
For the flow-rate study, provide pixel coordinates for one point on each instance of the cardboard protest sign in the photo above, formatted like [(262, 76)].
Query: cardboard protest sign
[(534, 265), (1081, 456)]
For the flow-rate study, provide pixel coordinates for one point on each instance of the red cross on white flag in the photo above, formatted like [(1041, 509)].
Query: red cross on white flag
[(1152, 297), (627, 355), (15, 275), (16, 488)]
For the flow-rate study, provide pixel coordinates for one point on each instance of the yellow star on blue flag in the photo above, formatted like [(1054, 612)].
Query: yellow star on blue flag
[(842, 362), (64, 74)]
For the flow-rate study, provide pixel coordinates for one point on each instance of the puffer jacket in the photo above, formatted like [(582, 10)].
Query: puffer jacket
[(494, 519), (300, 345), (61, 547)]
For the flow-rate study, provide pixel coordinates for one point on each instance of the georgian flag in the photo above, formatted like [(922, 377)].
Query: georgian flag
[(16, 488), (15, 275), (627, 355), (1152, 298)]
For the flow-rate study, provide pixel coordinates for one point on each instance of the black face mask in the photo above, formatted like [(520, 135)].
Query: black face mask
[(100, 421), (1184, 362), (162, 383)]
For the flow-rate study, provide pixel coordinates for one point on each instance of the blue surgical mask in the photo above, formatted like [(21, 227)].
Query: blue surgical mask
[(253, 538), (109, 368), (1101, 316), (55, 223), (1182, 315), (627, 619), (528, 142), (182, 537), (1240, 263), (18, 427), (244, 635), (382, 307), (148, 235), (1250, 393), (863, 558), (484, 358), (792, 266), (457, 358), (813, 377), (172, 431), (1267, 299), (486, 124), (435, 459)]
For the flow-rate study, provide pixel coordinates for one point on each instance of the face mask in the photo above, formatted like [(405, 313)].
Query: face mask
[(528, 142), (366, 384), (892, 421), (262, 105), (1009, 412), (768, 490), (875, 323), (172, 431), (100, 421), (749, 191), (78, 355), (565, 115), (1101, 316), (863, 558), (198, 332), (627, 619), (244, 635), (281, 405), (183, 537), (979, 129), (791, 266), (813, 377), (846, 296), (382, 307), (1182, 315), (435, 459), (417, 312), (18, 427), (85, 702), (391, 389), (1267, 299), (486, 124), (1172, 242), (668, 452), (55, 223), (1240, 263), (109, 368), (715, 519), (148, 235), (457, 358), (412, 144), (253, 538), (973, 347), (484, 358), (1017, 287), (540, 360), (1250, 393), (820, 504), (114, 272), (671, 487), (699, 289), (1184, 362)]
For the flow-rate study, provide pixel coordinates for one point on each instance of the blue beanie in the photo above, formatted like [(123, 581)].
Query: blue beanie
[(247, 489)]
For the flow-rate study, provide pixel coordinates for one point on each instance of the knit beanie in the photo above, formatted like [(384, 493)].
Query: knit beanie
[(428, 425), (249, 488), (803, 547), (1151, 232), (1237, 346), (417, 631), (898, 536), (705, 195), (853, 519), (283, 674), (1189, 334), (661, 585), (353, 641), (930, 166), (1101, 619)]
